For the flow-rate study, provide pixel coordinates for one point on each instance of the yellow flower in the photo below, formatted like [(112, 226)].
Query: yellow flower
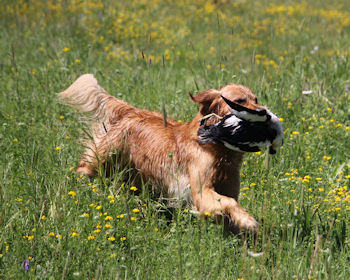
[(133, 218), (72, 193), (110, 197), (133, 188), (122, 238), (66, 49), (51, 234), (112, 256), (15, 140), (97, 231), (209, 7), (86, 215), (91, 237), (61, 117), (77, 60), (58, 148), (208, 214), (109, 218), (136, 210), (295, 133), (112, 238), (58, 236), (75, 234), (19, 199), (30, 237), (98, 207), (108, 226)]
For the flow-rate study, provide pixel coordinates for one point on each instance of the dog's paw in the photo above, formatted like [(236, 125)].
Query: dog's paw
[(86, 170), (248, 223)]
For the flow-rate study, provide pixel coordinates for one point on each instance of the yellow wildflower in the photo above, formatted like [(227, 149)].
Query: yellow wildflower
[(72, 193)]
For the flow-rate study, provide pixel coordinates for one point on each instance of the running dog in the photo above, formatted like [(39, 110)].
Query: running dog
[(165, 152)]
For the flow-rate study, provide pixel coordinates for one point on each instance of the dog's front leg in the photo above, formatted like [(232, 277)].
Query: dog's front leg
[(208, 201)]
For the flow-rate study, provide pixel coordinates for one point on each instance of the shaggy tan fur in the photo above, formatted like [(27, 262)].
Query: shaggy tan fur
[(170, 157)]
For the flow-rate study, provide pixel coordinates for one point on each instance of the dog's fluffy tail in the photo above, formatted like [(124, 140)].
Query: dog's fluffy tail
[(87, 96)]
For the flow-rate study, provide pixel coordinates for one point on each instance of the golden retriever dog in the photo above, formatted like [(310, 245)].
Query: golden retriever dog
[(167, 153)]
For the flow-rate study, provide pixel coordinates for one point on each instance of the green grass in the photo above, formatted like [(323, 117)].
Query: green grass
[(151, 53)]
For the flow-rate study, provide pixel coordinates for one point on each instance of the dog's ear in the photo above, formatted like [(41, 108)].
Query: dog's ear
[(205, 98)]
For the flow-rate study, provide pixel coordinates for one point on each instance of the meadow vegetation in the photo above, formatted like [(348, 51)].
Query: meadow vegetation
[(294, 55)]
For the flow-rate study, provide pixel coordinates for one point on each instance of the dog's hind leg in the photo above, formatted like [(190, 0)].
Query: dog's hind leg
[(87, 164), (99, 147)]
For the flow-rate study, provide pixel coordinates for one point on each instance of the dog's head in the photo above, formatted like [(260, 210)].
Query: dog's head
[(212, 102)]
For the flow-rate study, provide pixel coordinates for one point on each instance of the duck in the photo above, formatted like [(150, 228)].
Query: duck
[(243, 129)]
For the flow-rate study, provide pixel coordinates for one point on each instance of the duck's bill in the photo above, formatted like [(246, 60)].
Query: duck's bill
[(247, 114)]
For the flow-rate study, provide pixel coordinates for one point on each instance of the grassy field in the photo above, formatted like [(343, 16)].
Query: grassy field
[(293, 54)]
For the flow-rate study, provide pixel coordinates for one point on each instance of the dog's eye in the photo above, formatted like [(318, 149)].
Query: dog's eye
[(240, 101), (256, 100)]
